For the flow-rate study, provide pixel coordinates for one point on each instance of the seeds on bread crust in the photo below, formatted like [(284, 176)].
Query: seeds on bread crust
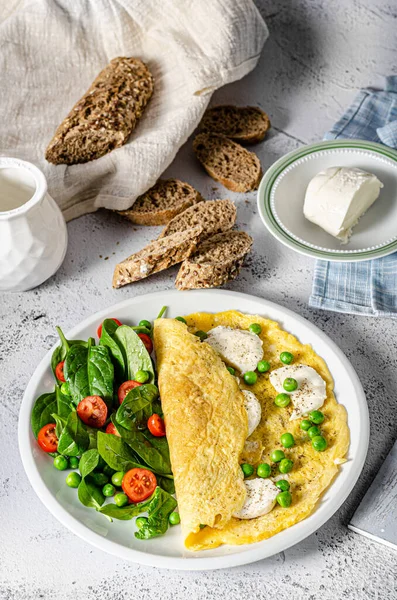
[(245, 124), (166, 199), (104, 118), (235, 167), (214, 216)]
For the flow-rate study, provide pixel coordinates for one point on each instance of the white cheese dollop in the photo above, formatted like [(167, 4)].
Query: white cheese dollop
[(337, 197), (239, 348), (254, 411), (261, 498), (311, 391)]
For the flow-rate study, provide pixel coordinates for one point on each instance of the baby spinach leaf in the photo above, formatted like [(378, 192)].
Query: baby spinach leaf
[(124, 513), (161, 505), (116, 453), (60, 423), (100, 373), (107, 339), (88, 462), (90, 495), (74, 438), (92, 434), (157, 460), (138, 399), (63, 403), (75, 371), (61, 351), (166, 483), (45, 405), (136, 357)]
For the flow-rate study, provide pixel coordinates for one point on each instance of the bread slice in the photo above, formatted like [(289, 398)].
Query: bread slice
[(157, 256), (216, 261), (104, 118), (247, 124), (214, 216), (228, 162), (166, 199)]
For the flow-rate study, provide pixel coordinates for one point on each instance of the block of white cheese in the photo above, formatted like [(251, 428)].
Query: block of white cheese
[(337, 197)]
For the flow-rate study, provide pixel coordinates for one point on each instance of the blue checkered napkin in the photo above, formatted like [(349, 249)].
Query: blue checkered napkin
[(370, 287)]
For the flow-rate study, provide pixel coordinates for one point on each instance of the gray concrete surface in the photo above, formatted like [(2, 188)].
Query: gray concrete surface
[(319, 52)]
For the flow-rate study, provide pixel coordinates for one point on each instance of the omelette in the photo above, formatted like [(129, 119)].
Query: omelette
[(207, 425)]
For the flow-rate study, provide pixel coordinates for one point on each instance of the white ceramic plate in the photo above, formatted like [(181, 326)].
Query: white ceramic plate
[(282, 191), (168, 551)]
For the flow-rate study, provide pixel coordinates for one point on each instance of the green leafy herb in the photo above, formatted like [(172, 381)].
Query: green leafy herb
[(89, 462), (125, 513), (160, 507), (89, 371), (45, 405), (116, 354), (61, 351), (136, 357), (157, 460), (134, 404), (74, 438), (116, 453)]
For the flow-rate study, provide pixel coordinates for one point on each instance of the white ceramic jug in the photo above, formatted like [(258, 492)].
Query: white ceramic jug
[(33, 234)]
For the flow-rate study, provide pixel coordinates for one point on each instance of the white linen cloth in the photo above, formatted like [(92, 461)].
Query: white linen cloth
[(51, 51)]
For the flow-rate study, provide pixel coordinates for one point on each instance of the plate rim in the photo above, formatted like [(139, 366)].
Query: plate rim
[(189, 562), (270, 221)]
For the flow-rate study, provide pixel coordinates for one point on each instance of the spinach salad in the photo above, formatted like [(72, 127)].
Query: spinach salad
[(103, 422)]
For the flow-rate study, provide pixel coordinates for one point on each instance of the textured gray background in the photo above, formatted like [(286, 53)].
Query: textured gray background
[(319, 52)]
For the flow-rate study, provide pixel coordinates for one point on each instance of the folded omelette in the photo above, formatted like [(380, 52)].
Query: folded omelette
[(207, 429)]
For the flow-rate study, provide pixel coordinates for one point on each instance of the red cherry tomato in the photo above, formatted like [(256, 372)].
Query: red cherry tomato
[(125, 388), (47, 438), (99, 330), (147, 341), (156, 425), (112, 429), (139, 484), (59, 371), (92, 411)]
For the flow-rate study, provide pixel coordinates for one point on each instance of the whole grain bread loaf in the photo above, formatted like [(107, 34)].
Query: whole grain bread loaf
[(214, 216), (166, 199), (247, 124), (157, 256), (104, 118), (216, 261), (235, 167)]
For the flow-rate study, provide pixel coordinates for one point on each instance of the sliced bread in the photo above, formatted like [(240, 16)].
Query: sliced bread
[(104, 118), (157, 256), (228, 162), (246, 124), (216, 261), (166, 199), (214, 216)]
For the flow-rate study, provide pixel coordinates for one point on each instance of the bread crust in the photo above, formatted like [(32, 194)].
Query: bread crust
[(244, 124), (214, 216)]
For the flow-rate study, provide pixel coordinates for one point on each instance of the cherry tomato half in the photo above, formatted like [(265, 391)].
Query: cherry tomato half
[(112, 429), (125, 388), (99, 330), (156, 425), (139, 484), (92, 411), (147, 341), (47, 438), (59, 371)]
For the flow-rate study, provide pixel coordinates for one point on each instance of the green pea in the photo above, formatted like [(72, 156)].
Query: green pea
[(305, 424), (263, 366), (201, 334), (145, 323), (282, 400), (284, 499), (264, 470), (316, 417), (290, 384), (255, 328), (65, 390), (74, 462), (277, 455), (142, 376), (73, 479), (231, 370), (287, 440), (174, 518), (282, 485), (117, 478), (250, 377), (313, 431), (121, 499), (181, 319), (285, 465), (108, 490), (247, 469), (141, 522), (61, 462), (99, 478), (319, 443), (286, 358), (108, 470)]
